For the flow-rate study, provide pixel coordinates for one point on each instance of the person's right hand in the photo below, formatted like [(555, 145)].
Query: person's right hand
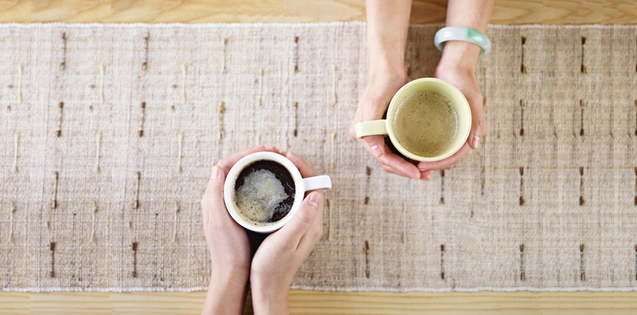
[(282, 252), (372, 106)]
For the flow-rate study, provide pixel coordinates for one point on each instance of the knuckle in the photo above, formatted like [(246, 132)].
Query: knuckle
[(305, 217)]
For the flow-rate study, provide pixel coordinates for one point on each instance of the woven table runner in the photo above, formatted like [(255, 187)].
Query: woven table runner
[(108, 134)]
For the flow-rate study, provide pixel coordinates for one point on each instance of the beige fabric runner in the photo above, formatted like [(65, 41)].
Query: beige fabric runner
[(549, 208)]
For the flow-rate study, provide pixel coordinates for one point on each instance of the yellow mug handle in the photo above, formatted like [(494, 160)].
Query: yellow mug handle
[(371, 128)]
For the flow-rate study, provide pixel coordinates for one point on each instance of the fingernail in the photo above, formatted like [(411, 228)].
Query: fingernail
[(423, 169), (315, 199), (476, 142), (428, 176), (215, 172), (270, 148), (377, 151)]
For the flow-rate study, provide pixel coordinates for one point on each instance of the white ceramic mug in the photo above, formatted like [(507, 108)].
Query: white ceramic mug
[(301, 186)]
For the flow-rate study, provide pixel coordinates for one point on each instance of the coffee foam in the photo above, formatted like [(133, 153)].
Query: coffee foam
[(258, 199), (426, 123)]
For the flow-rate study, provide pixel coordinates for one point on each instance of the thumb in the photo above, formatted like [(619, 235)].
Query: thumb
[(478, 129), (478, 123), (301, 222)]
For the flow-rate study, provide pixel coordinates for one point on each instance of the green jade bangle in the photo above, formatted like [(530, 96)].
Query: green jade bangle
[(465, 34)]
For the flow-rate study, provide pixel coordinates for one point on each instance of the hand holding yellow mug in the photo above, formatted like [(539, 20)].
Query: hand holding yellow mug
[(411, 127)]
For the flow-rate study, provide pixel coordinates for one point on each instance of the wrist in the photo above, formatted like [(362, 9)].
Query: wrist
[(386, 54), (460, 54), (269, 299), (233, 280), (382, 76), (382, 64), (226, 295)]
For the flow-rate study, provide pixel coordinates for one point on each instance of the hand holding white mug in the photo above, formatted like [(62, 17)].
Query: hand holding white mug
[(282, 252)]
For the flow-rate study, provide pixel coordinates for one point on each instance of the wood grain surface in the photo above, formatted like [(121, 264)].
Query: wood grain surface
[(233, 11), (310, 302)]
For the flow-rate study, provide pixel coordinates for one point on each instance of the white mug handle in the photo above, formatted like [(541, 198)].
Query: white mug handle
[(317, 182)]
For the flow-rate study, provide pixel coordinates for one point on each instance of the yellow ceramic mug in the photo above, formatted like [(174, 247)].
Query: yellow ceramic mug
[(384, 126)]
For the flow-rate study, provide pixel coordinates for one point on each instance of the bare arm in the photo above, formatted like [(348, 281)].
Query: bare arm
[(458, 66), (467, 13), (387, 26), (226, 296)]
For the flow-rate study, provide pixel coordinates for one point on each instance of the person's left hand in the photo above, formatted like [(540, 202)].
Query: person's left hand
[(460, 72)]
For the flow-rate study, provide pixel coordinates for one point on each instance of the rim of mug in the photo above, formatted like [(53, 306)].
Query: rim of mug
[(391, 112), (233, 174)]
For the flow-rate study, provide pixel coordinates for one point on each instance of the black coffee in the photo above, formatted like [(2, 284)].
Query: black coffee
[(264, 192)]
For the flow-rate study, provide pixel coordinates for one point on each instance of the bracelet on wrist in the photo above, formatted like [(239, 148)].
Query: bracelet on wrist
[(465, 34)]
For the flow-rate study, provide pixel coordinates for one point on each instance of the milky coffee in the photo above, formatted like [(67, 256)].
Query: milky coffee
[(425, 123), (263, 192)]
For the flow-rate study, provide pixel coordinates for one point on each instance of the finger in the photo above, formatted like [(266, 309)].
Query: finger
[(426, 176), (293, 231), (374, 145), (213, 198), (400, 165), (389, 169), (384, 156), (442, 164), (393, 171), (313, 234), (226, 163), (478, 123), (304, 168)]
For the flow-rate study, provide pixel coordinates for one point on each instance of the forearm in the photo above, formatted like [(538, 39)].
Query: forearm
[(473, 14), (387, 27), (225, 296), (269, 299)]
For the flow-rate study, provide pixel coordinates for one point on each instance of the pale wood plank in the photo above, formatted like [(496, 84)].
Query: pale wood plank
[(70, 11), (518, 12), (315, 302), (73, 303), (14, 303), (15, 11), (157, 303), (283, 11)]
